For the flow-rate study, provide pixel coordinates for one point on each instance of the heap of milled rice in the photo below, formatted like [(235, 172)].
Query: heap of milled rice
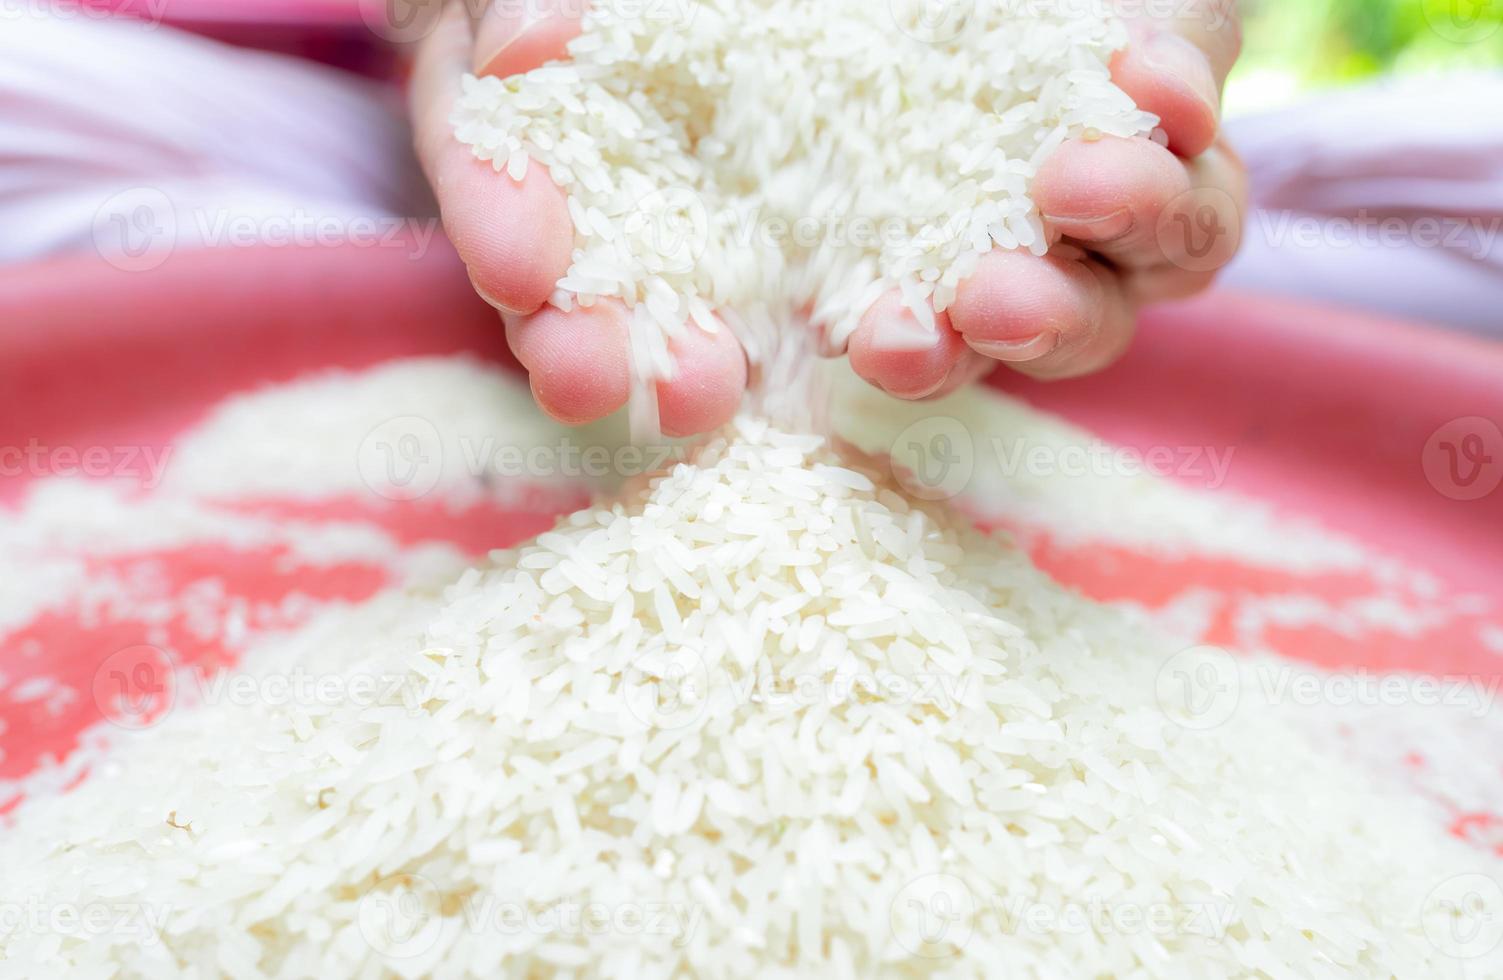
[(765, 716), (759, 160)]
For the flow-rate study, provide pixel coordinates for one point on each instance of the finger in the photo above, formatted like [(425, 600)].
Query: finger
[(708, 382), (577, 362), (1108, 195), (1168, 76), (1214, 27), (1018, 307), (892, 350), (514, 36), (436, 71), (971, 367), (1087, 351), (1199, 232), (516, 238), (1165, 284)]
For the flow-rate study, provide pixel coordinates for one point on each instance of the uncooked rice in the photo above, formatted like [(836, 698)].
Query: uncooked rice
[(763, 161), (762, 716)]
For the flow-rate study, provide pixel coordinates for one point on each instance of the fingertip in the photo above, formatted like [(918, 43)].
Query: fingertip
[(1103, 350), (515, 237), (1109, 191), (1018, 307), (1106, 338), (514, 38), (971, 367), (892, 350), (1201, 230), (709, 380), (1168, 76), (1167, 283), (577, 362)]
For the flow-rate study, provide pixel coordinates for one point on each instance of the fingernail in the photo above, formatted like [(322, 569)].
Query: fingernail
[(493, 301), (1187, 64), (499, 30), (1093, 228), (1018, 351), (911, 394)]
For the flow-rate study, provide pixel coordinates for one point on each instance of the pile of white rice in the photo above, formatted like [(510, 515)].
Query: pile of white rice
[(762, 160), (764, 716)]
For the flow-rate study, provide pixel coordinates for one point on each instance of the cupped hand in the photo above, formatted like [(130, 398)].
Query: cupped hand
[(1131, 222), (516, 237)]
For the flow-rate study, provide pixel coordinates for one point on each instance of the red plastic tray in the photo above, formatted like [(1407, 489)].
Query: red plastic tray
[(1374, 428)]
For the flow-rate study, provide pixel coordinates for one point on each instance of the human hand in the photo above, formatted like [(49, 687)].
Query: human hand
[(1130, 222), (516, 238), (1108, 206)]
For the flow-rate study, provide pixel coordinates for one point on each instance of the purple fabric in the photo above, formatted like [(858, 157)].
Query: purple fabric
[(92, 109), (1387, 197)]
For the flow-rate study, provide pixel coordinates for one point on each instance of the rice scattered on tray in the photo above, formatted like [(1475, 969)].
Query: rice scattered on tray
[(763, 715)]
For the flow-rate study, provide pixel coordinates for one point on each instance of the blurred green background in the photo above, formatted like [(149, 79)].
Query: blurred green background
[(1292, 47)]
